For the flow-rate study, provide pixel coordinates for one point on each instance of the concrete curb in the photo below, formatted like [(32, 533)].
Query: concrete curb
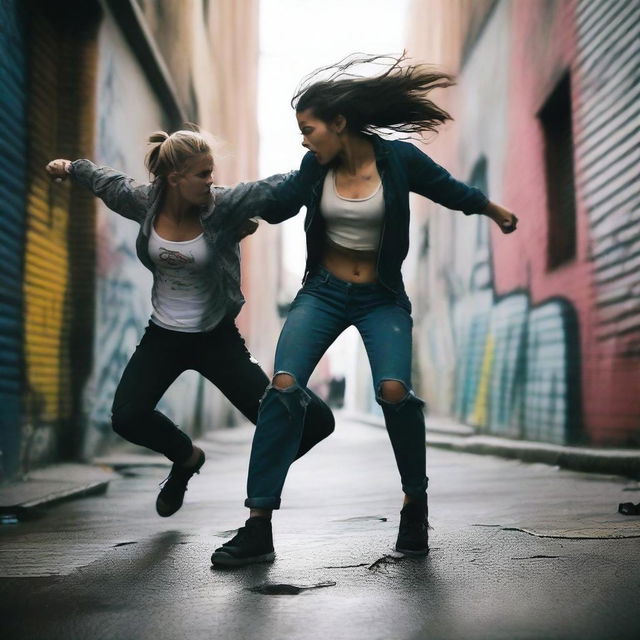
[(49, 498), (621, 462), (51, 485)]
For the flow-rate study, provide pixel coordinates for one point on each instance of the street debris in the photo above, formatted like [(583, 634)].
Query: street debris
[(629, 509)]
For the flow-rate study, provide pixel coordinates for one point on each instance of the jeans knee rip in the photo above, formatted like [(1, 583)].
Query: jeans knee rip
[(289, 395), (409, 398)]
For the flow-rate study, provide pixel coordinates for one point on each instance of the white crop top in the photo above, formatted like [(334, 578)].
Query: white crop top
[(352, 223)]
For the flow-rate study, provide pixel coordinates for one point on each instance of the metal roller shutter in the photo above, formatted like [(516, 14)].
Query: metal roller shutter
[(46, 250), (12, 213)]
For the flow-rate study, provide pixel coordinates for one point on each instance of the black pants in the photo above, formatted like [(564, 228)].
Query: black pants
[(220, 356)]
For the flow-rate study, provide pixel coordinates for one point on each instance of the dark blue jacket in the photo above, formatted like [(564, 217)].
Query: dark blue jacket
[(403, 168)]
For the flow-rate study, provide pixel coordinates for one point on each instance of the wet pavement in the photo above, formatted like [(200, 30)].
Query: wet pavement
[(518, 551)]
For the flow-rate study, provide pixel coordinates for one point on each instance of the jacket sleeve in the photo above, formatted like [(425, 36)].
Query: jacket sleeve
[(429, 179), (274, 199), (118, 191)]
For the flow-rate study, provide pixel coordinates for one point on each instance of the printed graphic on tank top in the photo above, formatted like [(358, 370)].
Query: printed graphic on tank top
[(182, 288)]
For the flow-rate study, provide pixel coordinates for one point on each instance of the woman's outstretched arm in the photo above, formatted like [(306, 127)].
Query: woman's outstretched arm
[(429, 179), (118, 191), (274, 199)]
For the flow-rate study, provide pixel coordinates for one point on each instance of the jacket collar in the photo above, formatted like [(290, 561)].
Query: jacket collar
[(380, 146)]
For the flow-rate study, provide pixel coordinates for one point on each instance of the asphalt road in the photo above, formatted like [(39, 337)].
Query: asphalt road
[(518, 551)]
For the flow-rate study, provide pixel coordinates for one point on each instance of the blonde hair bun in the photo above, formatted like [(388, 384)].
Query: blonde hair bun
[(172, 152)]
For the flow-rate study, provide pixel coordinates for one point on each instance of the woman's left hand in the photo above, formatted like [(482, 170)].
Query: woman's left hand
[(506, 220), (249, 227)]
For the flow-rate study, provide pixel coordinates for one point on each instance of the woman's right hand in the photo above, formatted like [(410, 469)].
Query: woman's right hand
[(59, 169)]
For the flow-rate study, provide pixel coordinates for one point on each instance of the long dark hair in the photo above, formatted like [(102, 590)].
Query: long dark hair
[(396, 99)]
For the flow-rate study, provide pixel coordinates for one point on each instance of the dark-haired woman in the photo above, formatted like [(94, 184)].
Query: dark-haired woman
[(356, 187), (195, 297)]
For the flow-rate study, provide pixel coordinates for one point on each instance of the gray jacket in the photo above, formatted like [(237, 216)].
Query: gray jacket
[(221, 219)]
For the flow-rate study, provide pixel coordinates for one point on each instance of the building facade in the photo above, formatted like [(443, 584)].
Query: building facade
[(533, 335), (94, 79)]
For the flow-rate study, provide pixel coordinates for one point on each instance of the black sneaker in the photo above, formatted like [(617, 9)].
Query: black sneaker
[(413, 536), (253, 543), (173, 487)]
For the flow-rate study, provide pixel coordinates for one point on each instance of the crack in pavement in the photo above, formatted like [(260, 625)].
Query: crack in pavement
[(385, 560), (572, 535), (536, 557)]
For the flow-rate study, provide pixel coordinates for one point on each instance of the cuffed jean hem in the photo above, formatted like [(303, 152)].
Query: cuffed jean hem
[(262, 503), (416, 491)]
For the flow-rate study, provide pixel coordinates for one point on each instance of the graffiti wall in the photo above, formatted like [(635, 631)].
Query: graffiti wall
[(535, 335), (56, 222), (127, 112), (82, 81)]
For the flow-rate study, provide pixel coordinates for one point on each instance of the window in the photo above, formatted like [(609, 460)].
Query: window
[(555, 117)]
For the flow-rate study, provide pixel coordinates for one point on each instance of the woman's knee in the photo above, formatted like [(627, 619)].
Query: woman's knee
[(319, 419), (125, 420), (283, 381), (392, 391)]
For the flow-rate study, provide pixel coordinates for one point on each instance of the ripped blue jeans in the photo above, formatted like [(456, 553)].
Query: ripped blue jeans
[(321, 311)]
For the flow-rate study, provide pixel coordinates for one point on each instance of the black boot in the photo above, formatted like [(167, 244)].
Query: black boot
[(252, 544), (413, 535), (175, 484)]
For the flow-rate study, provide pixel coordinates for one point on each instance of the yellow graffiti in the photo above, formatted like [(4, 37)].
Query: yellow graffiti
[(45, 299), (480, 413)]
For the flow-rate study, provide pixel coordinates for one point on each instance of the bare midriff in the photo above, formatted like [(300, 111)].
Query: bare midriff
[(349, 265)]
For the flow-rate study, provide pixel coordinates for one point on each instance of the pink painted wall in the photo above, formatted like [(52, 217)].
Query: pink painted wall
[(530, 45)]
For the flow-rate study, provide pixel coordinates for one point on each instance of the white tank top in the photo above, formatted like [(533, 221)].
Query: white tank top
[(183, 288), (352, 223)]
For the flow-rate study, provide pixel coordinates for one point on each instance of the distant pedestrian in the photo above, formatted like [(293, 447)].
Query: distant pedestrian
[(356, 187), (195, 296)]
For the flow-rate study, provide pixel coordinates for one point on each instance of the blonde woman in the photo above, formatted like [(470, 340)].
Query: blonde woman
[(195, 296)]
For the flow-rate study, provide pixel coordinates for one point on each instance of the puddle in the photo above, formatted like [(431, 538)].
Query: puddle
[(287, 589)]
